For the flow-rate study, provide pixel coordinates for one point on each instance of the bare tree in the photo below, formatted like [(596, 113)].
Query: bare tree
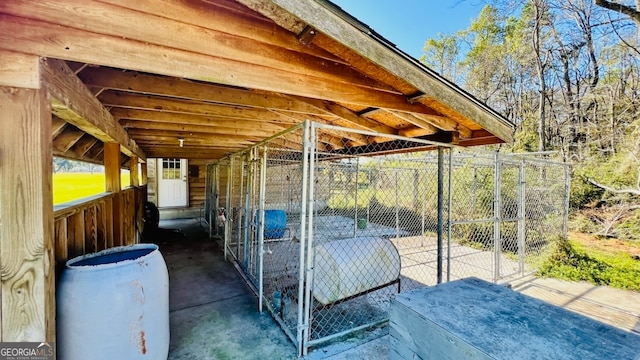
[(630, 11)]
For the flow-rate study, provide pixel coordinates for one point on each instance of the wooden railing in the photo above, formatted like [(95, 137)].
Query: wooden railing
[(97, 223)]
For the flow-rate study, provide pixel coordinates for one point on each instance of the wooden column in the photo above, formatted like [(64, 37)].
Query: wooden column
[(133, 171), (26, 203), (145, 173), (112, 184)]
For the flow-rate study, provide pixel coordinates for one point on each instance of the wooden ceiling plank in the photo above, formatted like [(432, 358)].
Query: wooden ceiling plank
[(434, 87), (215, 15), (67, 138), (153, 125), (415, 131), (97, 17), (154, 103), (348, 115), (417, 121), (95, 151), (443, 123), (159, 85), (84, 144), (73, 156), (123, 115), (186, 135), (358, 138), (44, 39), (57, 126), (74, 103)]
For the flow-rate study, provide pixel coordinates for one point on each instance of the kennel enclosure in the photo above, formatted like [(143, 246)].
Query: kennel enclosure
[(326, 234)]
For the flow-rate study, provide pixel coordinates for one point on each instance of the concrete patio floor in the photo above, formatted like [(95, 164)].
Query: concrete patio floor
[(214, 315)]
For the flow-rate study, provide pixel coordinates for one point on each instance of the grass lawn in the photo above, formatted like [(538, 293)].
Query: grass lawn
[(572, 260), (73, 186)]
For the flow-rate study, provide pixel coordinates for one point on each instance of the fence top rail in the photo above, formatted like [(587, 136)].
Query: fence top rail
[(262, 143), (317, 125), (73, 207), (67, 209)]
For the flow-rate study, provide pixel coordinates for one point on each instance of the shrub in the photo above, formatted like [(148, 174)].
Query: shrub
[(569, 261)]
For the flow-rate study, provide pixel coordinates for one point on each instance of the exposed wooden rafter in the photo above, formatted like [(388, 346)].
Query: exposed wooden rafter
[(74, 103)]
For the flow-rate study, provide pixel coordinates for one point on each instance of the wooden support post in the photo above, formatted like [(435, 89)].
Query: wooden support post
[(26, 204), (144, 174), (133, 171), (112, 184), (145, 182), (112, 167)]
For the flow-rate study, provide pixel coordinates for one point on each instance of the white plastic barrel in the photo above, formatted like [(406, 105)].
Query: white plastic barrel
[(348, 267), (114, 304)]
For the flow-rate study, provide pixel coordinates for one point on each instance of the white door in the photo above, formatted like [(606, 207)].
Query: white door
[(172, 182)]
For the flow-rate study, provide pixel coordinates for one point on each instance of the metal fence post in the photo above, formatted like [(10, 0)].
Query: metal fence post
[(228, 220), (522, 232), (308, 303), (262, 200), (397, 208), (440, 209), (355, 216), (567, 193), (497, 214), (303, 327), (449, 214)]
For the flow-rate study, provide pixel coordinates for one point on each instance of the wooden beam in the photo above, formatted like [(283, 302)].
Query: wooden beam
[(440, 122), (97, 17), (67, 138), (144, 175), (57, 126), (348, 115), (125, 116), (27, 296), (19, 70), (144, 102), (73, 102), (154, 125), (415, 131), (144, 136), (451, 100), (112, 167), (112, 158), (432, 123), (42, 38), (131, 81), (133, 171), (84, 144), (228, 17)]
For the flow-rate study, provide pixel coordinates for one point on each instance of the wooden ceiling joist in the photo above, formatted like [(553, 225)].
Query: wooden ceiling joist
[(179, 88), (72, 102), (128, 116), (65, 140), (145, 102)]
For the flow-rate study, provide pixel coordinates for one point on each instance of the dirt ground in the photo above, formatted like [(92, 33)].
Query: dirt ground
[(610, 246)]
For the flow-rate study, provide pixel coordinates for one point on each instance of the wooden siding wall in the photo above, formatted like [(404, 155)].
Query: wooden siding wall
[(197, 183), (100, 223), (152, 183)]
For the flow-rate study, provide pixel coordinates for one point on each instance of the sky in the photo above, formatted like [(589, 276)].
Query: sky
[(409, 23)]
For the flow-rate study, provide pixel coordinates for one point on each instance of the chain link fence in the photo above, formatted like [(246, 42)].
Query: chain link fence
[(326, 233)]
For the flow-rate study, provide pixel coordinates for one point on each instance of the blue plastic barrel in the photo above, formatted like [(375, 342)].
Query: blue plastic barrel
[(114, 304), (275, 222)]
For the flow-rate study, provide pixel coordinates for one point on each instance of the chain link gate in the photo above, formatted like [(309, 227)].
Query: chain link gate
[(327, 234)]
